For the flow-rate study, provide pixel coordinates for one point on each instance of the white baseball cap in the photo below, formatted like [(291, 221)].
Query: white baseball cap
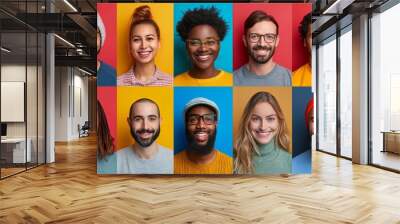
[(201, 101)]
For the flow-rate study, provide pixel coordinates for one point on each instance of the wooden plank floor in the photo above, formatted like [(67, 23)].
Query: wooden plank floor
[(70, 191)]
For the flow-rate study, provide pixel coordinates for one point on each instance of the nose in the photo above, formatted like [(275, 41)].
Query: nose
[(204, 45), (145, 124), (143, 44), (200, 123), (262, 41), (263, 124)]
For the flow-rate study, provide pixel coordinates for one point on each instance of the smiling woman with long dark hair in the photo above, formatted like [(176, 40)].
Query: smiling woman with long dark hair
[(144, 43), (202, 30)]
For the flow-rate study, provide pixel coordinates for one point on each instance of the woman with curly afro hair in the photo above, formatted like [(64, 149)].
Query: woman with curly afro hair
[(202, 30)]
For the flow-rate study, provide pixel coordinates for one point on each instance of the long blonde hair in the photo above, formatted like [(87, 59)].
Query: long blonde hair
[(245, 145)]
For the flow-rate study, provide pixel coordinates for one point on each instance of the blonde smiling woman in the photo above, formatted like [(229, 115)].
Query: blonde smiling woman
[(262, 146)]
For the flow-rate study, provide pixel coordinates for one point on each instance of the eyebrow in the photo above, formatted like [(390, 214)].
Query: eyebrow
[(271, 115), (264, 33), (138, 116), (201, 114), (145, 36), (207, 38)]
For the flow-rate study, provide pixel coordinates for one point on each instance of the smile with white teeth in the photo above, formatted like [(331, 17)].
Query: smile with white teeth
[(203, 57), (145, 135), (263, 133), (262, 52), (201, 136), (144, 53)]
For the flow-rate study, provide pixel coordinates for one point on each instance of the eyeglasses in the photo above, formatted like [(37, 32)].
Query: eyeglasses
[(210, 42), (207, 118), (268, 37)]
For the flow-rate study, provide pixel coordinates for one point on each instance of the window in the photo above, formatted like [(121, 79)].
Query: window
[(327, 96), (346, 95), (22, 65), (385, 88)]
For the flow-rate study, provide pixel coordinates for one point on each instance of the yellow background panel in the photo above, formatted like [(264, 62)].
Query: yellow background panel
[(163, 14), (242, 95), (163, 96)]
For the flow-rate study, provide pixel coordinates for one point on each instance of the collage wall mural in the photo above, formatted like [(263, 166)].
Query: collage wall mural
[(208, 88)]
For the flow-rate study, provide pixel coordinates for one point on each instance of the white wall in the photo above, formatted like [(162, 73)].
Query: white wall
[(71, 87), (33, 126), (16, 73), (61, 104)]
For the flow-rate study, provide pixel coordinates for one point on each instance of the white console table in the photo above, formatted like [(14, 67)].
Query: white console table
[(18, 149)]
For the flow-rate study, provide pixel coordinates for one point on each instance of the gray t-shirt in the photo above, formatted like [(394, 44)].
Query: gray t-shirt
[(279, 76), (129, 163)]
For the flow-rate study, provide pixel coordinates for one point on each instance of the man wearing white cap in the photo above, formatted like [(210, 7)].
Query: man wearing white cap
[(105, 72), (200, 156)]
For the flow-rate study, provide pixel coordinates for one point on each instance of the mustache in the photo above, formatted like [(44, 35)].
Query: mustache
[(259, 47), (142, 131), (201, 130)]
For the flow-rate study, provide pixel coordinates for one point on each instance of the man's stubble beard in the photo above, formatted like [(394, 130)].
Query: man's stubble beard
[(139, 141), (264, 59)]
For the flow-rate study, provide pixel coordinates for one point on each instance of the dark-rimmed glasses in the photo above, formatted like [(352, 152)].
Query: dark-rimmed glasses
[(268, 37), (210, 42), (207, 118)]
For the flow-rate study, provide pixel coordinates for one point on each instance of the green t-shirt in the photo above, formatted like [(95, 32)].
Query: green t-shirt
[(272, 160)]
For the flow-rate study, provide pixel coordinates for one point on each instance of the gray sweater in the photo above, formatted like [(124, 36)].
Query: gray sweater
[(279, 76)]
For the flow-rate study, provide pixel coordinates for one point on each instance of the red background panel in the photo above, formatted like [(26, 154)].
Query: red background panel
[(108, 11), (282, 12), (300, 56), (108, 99)]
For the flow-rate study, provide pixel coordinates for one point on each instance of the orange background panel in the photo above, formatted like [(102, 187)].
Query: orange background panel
[(163, 14), (242, 95), (163, 96)]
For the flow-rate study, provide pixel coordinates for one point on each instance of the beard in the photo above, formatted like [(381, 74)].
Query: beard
[(261, 59), (197, 149), (145, 142)]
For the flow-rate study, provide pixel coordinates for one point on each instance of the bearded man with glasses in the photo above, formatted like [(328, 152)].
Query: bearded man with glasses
[(200, 156), (261, 38)]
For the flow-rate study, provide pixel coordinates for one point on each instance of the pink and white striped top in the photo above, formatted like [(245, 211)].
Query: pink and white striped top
[(158, 79)]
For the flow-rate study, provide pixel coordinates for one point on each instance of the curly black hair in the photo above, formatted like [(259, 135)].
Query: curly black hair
[(202, 16), (304, 25)]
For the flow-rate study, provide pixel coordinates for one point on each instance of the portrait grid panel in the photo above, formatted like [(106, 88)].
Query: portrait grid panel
[(201, 126)]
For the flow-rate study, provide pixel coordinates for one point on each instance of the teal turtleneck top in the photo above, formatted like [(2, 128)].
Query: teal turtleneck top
[(272, 160)]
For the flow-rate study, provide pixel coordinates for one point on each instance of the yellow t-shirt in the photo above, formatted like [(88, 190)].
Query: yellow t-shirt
[(222, 79), (302, 76), (222, 164)]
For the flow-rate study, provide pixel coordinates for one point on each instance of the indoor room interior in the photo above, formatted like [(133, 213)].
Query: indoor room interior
[(48, 128)]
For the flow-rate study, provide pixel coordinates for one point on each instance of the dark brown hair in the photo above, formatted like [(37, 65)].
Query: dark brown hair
[(105, 142), (259, 16), (303, 28), (142, 15)]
